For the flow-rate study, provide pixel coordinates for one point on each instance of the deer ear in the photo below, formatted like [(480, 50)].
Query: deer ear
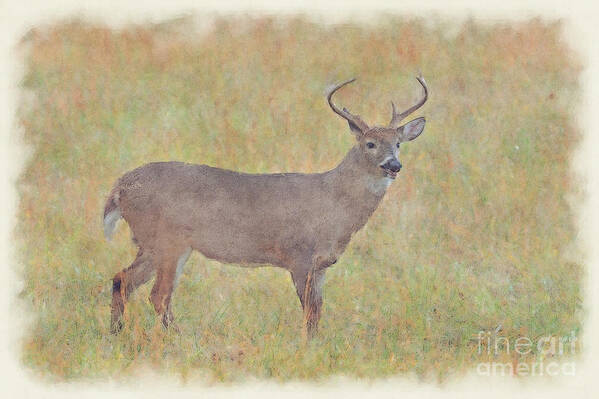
[(354, 129), (411, 130), (356, 124)]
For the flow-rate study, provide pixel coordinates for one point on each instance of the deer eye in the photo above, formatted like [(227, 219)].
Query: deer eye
[(370, 144)]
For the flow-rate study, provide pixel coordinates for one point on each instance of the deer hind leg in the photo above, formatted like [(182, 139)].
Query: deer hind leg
[(167, 277), (308, 286), (125, 282)]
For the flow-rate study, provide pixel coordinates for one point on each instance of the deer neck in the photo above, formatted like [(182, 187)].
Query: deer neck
[(355, 179)]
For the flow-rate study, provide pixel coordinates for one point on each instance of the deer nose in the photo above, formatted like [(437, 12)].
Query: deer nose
[(393, 165)]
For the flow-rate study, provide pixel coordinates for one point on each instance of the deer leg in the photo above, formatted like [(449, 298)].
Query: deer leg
[(166, 281), (308, 286), (124, 283), (161, 293)]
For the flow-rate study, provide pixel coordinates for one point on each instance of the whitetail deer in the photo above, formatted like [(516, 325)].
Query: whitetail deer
[(300, 222)]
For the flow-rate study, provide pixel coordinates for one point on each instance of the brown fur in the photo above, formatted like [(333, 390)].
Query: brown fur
[(300, 222)]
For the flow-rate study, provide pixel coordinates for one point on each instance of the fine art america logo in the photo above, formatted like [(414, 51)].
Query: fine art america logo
[(548, 351)]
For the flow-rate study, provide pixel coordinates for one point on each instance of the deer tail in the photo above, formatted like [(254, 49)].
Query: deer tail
[(112, 212)]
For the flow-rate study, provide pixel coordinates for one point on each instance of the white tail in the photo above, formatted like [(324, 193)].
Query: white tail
[(112, 214)]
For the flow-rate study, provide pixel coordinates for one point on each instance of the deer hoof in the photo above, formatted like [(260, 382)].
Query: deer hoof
[(168, 321), (116, 327)]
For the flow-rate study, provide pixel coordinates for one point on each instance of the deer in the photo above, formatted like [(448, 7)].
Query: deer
[(301, 222)]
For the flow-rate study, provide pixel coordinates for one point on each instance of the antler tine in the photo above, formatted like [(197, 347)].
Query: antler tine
[(344, 113), (399, 117)]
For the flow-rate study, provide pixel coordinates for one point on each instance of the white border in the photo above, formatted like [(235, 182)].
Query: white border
[(582, 34)]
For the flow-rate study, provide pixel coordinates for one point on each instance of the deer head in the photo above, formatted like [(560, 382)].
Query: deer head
[(378, 145)]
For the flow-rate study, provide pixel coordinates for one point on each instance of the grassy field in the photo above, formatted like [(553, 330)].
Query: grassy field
[(476, 235)]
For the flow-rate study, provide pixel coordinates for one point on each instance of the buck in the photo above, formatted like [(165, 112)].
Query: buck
[(300, 222)]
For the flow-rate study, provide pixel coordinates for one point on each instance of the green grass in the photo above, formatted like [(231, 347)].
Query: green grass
[(477, 232)]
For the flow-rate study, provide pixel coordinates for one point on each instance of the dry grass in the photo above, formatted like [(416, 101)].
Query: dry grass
[(474, 234)]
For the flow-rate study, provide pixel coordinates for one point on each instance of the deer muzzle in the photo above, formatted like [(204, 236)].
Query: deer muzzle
[(391, 167)]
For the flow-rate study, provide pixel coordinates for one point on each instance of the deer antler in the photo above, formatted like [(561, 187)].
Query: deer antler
[(354, 120), (398, 117)]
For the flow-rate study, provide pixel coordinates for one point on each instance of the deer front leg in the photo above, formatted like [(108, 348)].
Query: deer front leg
[(308, 286)]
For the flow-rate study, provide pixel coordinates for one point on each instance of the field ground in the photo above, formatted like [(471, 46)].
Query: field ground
[(476, 235)]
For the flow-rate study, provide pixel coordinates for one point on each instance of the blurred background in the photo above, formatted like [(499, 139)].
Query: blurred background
[(476, 234)]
